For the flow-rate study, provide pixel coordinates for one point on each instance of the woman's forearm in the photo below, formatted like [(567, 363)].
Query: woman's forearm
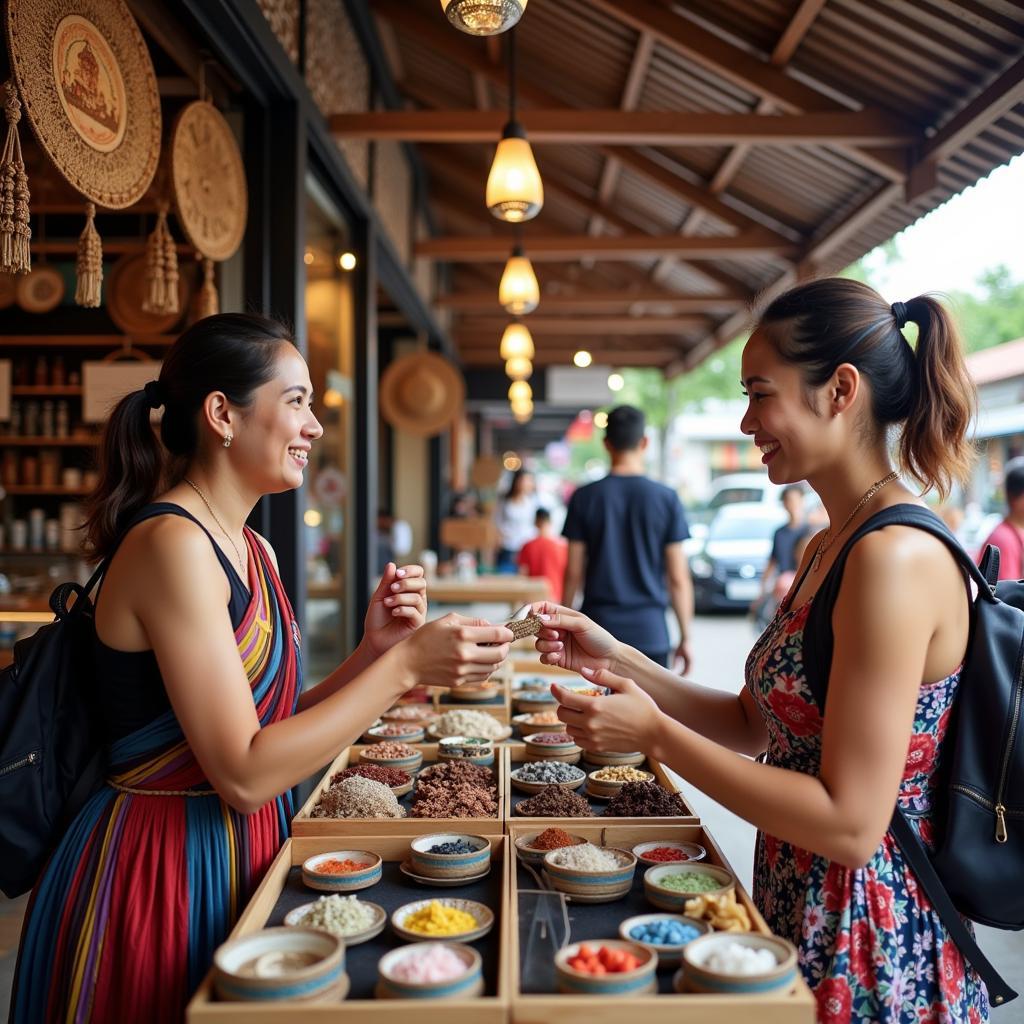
[(718, 715), (358, 661)]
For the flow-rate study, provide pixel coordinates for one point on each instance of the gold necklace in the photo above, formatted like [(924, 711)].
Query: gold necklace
[(238, 554), (829, 537)]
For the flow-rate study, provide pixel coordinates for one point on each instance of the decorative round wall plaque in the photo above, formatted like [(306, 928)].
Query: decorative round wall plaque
[(90, 93), (208, 179)]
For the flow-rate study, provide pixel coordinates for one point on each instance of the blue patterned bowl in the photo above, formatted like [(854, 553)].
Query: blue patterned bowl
[(467, 986), (674, 900), (348, 881), (641, 981), (696, 976), (583, 886), (449, 865)]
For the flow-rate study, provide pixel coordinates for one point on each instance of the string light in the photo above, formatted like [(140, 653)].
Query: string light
[(582, 358)]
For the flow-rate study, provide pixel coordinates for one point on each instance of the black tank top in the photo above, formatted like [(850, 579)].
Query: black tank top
[(130, 688)]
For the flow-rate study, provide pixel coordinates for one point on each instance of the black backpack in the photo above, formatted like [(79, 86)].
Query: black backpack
[(977, 868), (51, 754)]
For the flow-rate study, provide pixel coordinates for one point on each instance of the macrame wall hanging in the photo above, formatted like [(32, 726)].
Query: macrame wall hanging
[(86, 79), (15, 232), (161, 268)]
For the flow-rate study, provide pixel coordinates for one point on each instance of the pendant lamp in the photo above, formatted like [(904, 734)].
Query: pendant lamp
[(522, 416), (483, 17), (516, 341), (519, 292), (514, 190), (520, 391), (518, 368)]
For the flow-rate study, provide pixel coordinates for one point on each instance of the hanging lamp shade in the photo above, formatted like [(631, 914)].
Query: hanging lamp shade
[(518, 368), (516, 341), (483, 17), (522, 416), (519, 292), (520, 391), (514, 190)]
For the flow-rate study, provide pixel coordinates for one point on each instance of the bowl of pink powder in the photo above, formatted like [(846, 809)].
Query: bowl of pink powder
[(430, 970)]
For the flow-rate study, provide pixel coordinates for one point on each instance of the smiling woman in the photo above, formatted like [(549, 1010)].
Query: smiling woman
[(200, 684)]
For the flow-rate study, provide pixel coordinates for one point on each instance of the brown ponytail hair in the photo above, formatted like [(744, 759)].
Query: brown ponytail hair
[(822, 324), (229, 352)]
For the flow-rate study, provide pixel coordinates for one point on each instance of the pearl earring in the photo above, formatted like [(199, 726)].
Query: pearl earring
[(228, 438)]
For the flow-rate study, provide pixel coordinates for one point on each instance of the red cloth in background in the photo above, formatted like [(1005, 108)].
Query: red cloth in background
[(546, 556), (1010, 542)]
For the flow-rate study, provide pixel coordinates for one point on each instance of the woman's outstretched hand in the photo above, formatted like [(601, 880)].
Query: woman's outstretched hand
[(570, 640), (397, 609), (454, 651), (625, 720)]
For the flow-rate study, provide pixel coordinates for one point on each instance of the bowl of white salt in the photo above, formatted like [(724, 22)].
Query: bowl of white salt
[(737, 963)]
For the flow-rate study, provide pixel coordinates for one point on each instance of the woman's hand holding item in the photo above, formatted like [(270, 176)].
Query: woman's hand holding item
[(570, 640), (397, 609), (454, 651), (627, 719)]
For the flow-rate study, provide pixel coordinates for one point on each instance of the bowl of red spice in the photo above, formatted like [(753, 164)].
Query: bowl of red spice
[(662, 851), (404, 732), (531, 848), (342, 871)]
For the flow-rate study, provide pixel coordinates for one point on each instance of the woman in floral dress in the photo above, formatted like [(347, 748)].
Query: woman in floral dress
[(834, 386)]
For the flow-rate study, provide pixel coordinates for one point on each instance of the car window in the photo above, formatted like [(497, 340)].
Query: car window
[(732, 495), (743, 527)]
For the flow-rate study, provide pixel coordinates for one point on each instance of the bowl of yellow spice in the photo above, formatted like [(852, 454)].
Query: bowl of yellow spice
[(460, 920)]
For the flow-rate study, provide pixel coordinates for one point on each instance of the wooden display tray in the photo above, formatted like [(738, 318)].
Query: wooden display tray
[(513, 752), (794, 1007), (204, 1009), (304, 825)]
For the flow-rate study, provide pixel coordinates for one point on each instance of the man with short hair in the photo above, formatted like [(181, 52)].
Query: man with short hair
[(783, 560), (1008, 536), (626, 536), (546, 555)]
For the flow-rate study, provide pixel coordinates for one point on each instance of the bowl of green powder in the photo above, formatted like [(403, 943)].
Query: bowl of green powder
[(669, 886)]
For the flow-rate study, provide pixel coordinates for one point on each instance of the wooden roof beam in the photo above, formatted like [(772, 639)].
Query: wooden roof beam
[(619, 355), (550, 326), (798, 27), (594, 301), (742, 69), (547, 248), (629, 128)]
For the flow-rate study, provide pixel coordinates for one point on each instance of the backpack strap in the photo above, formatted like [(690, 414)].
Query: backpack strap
[(818, 645)]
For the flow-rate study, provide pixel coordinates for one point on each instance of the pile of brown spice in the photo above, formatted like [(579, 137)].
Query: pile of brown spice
[(645, 800), (378, 772), (555, 802), (455, 789)]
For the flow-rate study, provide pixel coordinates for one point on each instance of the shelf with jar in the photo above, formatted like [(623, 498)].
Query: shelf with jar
[(78, 440)]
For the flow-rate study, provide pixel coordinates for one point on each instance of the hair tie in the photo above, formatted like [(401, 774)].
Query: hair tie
[(154, 394), (899, 311)]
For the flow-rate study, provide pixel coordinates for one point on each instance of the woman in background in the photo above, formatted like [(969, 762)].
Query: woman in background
[(515, 518)]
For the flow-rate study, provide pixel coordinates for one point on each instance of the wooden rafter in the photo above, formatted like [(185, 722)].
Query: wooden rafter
[(624, 354), (630, 128), (546, 248), (541, 325), (594, 301), (798, 27)]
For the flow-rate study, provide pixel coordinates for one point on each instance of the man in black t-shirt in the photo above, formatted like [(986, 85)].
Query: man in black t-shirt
[(626, 536), (783, 561)]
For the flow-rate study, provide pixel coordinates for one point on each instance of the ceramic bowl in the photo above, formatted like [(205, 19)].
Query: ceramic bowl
[(449, 865), (484, 919), (408, 764), (528, 701), (296, 918), (524, 727), (349, 881), (531, 854), (411, 733), (423, 714), (641, 981), (568, 752), (601, 886), (696, 976), (667, 955), (674, 901), (474, 749), (473, 694), (467, 986), (279, 963), (693, 852), (532, 683), (535, 787), (503, 733), (605, 789), (604, 758)]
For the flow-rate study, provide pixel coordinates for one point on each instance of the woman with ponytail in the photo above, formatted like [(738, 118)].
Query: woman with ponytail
[(200, 684), (838, 397)]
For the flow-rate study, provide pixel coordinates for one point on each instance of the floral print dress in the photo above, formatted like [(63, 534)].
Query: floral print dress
[(870, 945)]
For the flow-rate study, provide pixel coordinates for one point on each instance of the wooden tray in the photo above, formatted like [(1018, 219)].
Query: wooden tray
[(304, 825), (204, 1009), (513, 754), (794, 1007)]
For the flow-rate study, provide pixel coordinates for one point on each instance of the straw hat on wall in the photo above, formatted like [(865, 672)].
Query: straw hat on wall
[(421, 393)]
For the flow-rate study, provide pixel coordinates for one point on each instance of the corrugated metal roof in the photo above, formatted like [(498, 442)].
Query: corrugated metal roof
[(921, 59)]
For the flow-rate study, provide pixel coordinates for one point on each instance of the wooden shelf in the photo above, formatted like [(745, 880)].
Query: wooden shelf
[(85, 340), (43, 491), (26, 553), (43, 390), (74, 441)]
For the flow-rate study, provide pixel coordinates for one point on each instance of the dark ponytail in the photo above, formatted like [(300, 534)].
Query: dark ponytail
[(230, 352), (822, 324)]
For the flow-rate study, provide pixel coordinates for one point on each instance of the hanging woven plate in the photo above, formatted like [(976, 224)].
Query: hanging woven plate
[(90, 93), (125, 291), (208, 179)]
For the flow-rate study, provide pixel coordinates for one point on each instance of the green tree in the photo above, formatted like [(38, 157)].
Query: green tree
[(996, 316)]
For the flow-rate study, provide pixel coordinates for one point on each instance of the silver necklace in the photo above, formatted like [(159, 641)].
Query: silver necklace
[(826, 541), (238, 554)]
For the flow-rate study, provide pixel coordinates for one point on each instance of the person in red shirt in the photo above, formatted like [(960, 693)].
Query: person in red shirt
[(545, 555), (1008, 536)]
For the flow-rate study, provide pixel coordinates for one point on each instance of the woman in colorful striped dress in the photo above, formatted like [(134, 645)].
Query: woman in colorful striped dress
[(198, 659), (834, 388)]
